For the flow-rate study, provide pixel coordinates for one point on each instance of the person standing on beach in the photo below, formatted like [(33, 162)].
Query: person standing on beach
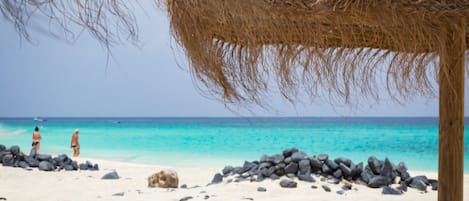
[(36, 139), (74, 144)]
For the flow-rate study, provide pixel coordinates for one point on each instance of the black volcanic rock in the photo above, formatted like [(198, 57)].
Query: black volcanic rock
[(315, 163), (434, 184), (278, 158), (386, 170), (217, 178), (227, 170), (298, 156), (390, 191), (343, 160), (291, 168), (286, 183), (332, 164), (323, 157), (111, 175), (375, 165), (14, 150), (379, 181)]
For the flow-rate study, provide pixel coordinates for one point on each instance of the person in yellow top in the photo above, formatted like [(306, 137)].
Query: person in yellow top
[(74, 144), (36, 139)]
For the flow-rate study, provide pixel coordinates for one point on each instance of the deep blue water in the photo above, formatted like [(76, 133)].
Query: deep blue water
[(220, 141)]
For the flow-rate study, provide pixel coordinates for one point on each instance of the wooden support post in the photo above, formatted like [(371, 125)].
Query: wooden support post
[(451, 117)]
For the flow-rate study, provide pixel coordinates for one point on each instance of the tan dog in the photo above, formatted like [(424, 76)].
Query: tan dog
[(164, 179)]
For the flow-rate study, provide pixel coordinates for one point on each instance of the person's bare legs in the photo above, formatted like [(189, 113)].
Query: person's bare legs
[(37, 146), (76, 151)]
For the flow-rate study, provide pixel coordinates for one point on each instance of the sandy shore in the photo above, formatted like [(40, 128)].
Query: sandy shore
[(21, 185)]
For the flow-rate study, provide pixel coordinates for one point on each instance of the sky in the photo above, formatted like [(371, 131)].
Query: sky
[(52, 78)]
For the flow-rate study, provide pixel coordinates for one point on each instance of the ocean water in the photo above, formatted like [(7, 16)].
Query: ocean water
[(213, 142)]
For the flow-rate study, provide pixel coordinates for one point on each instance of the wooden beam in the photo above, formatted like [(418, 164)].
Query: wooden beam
[(451, 115)]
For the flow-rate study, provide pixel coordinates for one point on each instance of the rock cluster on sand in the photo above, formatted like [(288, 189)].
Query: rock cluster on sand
[(13, 157), (294, 163)]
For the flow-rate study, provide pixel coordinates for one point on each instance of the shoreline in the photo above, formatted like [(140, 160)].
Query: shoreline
[(21, 185)]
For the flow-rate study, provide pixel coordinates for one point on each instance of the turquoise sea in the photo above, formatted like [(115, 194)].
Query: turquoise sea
[(215, 142)]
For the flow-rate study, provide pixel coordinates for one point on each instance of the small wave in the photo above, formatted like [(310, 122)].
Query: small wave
[(5, 132)]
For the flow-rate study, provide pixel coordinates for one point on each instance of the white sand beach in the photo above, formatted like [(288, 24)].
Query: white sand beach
[(17, 184)]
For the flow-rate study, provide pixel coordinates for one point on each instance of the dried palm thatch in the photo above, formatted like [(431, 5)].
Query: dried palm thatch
[(237, 47), (109, 21)]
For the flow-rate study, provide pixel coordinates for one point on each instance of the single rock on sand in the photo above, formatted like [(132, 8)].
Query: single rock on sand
[(261, 189), (118, 194), (340, 192), (183, 186), (164, 179), (347, 187), (217, 178), (326, 188), (286, 183), (390, 191), (111, 175), (379, 181), (186, 198), (418, 184), (306, 177)]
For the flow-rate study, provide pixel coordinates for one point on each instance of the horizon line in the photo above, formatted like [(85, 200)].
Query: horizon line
[(20, 117)]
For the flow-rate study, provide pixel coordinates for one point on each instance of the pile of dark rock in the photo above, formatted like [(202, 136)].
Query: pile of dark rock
[(13, 157), (294, 163)]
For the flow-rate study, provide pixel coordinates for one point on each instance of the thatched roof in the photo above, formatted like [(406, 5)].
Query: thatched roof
[(239, 49), (236, 47)]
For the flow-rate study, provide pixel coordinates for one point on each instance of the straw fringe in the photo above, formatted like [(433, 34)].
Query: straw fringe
[(109, 21), (237, 47)]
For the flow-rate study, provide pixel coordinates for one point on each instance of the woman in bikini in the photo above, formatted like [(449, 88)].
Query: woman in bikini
[(74, 144), (36, 139)]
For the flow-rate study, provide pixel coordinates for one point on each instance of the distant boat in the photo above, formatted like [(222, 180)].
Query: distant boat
[(39, 119)]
